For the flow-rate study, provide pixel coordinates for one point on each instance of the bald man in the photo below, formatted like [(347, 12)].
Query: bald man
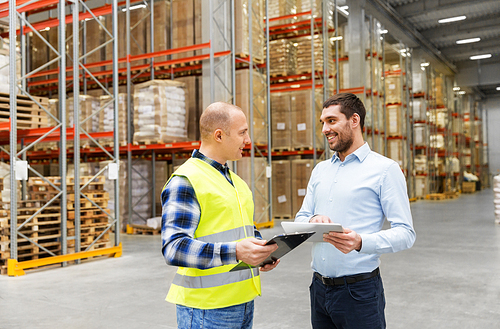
[(207, 228)]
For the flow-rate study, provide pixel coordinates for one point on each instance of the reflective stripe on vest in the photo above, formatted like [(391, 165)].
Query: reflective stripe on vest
[(214, 280), (234, 234)]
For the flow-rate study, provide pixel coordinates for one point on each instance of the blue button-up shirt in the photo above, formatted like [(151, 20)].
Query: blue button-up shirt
[(359, 193)]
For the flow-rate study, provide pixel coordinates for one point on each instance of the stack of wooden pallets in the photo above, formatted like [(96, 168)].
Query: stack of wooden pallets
[(44, 229), (93, 221), (29, 114)]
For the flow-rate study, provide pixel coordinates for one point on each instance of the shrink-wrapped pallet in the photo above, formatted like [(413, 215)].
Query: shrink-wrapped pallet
[(419, 134), (88, 105), (242, 36), (160, 111), (420, 163), (283, 57), (261, 195), (420, 186), (440, 92), (108, 118), (304, 59), (419, 109), (496, 199), (395, 150), (282, 197), (393, 119), (303, 117), (437, 141), (259, 119), (301, 172), (186, 26), (280, 8), (393, 89), (317, 8), (281, 109)]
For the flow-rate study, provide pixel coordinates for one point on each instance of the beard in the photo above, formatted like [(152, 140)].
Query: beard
[(344, 141)]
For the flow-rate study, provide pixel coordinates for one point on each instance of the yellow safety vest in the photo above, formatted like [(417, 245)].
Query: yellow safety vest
[(226, 216)]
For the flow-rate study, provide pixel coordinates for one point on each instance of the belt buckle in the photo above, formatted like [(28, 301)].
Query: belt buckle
[(325, 282)]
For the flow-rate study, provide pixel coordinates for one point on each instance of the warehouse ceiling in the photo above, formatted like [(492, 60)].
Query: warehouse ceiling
[(418, 19)]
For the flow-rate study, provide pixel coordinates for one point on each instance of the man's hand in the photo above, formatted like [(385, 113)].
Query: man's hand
[(345, 242), (320, 219), (254, 251), (269, 267)]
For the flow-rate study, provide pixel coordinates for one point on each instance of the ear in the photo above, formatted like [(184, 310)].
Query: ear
[(355, 120), (218, 135)]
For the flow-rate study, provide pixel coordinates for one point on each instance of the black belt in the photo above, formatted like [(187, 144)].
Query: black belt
[(346, 279)]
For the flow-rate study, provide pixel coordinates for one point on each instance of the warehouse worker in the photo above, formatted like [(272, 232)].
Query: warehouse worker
[(207, 227), (359, 189)]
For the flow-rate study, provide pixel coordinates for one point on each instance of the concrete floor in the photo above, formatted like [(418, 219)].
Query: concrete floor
[(449, 279)]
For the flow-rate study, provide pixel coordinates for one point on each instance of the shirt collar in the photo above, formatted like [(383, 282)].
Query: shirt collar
[(361, 153), (222, 168)]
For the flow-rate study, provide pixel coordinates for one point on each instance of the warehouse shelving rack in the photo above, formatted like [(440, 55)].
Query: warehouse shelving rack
[(400, 55), (17, 10)]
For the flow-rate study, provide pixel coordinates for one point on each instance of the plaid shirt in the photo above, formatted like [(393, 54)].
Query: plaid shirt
[(181, 214)]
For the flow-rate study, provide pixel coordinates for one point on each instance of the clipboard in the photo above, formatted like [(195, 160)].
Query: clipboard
[(285, 242), (320, 228)]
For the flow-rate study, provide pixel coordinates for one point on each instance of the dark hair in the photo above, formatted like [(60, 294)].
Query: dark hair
[(349, 104)]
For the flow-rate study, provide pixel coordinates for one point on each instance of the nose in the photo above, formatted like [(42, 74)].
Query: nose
[(325, 128), (247, 139)]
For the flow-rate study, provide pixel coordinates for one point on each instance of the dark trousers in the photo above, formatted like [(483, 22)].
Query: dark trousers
[(358, 305)]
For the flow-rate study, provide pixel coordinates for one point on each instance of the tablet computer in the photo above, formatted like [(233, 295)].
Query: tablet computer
[(285, 242), (319, 228)]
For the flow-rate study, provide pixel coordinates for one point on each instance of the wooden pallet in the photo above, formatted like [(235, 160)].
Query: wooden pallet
[(283, 217), (436, 196), (255, 59), (29, 114), (142, 230), (148, 142), (85, 204)]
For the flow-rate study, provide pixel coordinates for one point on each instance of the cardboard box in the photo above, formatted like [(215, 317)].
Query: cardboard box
[(186, 26), (261, 195), (281, 109), (468, 187), (301, 172), (302, 120), (259, 120), (242, 37), (282, 191), (195, 105)]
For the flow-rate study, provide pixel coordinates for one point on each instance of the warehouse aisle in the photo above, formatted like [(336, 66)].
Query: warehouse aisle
[(449, 279)]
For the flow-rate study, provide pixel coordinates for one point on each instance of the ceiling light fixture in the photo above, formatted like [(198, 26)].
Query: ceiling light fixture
[(462, 92), (134, 7), (471, 40), (456, 88), (451, 19), (473, 58), (343, 10), (383, 31), (498, 88), (425, 64)]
